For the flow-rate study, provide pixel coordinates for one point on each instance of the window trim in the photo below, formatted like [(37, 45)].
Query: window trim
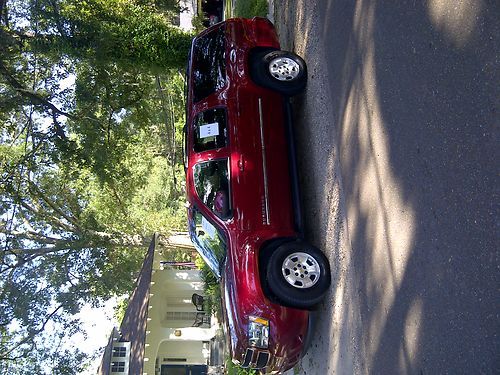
[(118, 367), (119, 351)]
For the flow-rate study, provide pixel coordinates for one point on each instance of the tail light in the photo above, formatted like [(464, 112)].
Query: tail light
[(264, 33)]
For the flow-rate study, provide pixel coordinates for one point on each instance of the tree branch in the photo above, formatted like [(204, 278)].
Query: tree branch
[(31, 235), (36, 211), (34, 97), (41, 251), (57, 19), (29, 337), (53, 205)]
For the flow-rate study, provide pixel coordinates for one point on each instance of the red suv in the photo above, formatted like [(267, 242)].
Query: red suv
[(241, 183)]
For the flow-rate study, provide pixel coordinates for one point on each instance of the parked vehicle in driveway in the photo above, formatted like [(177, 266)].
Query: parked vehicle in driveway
[(243, 206)]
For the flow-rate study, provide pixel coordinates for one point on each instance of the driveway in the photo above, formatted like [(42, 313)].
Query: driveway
[(398, 152)]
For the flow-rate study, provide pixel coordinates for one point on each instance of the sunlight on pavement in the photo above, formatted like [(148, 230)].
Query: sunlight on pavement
[(455, 19), (384, 83), (411, 335), (389, 220), (380, 213)]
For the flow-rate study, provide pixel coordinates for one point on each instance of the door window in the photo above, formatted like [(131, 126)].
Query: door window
[(209, 241), (211, 181)]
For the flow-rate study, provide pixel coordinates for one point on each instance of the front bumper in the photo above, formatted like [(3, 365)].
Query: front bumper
[(255, 358), (260, 359)]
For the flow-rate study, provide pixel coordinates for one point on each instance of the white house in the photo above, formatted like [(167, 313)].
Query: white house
[(186, 17), (163, 332)]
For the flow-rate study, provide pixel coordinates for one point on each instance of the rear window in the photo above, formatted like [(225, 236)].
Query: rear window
[(210, 131), (209, 66)]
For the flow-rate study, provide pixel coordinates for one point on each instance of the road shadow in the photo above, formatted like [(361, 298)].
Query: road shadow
[(413, 89)]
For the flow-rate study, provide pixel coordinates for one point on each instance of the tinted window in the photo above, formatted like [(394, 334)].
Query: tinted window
[(209, 67), (210, 130), (212, 186), (209, 242)]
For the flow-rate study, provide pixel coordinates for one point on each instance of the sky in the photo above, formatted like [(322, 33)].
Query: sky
[(98, 324)]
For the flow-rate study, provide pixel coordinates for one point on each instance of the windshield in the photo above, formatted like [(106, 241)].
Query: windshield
[(209, 242)]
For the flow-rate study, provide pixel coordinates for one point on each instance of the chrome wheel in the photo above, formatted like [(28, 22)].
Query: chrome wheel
[(298, 274), (284, 68), (301, 270)]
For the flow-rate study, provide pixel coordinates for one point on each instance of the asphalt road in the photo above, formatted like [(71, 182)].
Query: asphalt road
[(398, 147)]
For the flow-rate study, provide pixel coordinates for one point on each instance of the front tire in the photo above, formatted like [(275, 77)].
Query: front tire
[(298, 274)]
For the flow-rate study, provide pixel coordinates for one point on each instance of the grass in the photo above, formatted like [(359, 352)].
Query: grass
[(232, 369), (251, 8), (228, 9)]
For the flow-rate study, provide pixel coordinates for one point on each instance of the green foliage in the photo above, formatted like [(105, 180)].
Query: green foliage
[(121, 307), (116, 31), (251, 8), (89, 162), (233, 369), (212, 288), (197, 23)]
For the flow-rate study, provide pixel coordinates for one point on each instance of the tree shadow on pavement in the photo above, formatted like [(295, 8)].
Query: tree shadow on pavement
[(413, 88)]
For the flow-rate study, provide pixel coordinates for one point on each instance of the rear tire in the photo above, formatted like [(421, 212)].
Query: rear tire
[(298, 274), (281, 71)]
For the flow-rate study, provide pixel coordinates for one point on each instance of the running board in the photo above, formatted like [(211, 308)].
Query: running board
[(294, 176)]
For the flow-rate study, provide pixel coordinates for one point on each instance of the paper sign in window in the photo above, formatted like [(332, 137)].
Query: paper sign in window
[(209, 130)]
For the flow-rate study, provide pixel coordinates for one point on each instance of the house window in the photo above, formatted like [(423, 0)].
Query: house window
[(118, 367), (181, 315), (119, 351)]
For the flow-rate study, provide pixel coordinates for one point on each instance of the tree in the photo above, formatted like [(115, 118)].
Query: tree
[(89, 96), (126, 32)]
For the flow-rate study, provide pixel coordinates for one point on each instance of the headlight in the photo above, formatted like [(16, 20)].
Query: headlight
[(258, 332)]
